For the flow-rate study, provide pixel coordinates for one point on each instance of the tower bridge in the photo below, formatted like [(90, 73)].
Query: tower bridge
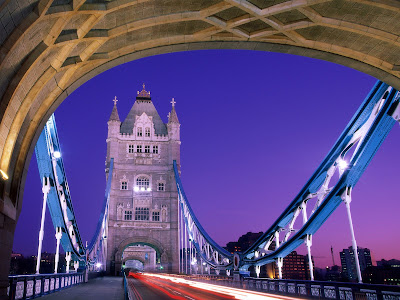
[(49, 48), (143, 199), (147, 222)]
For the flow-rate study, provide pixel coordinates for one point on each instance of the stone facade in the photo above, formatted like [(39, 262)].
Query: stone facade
[(143, 207)]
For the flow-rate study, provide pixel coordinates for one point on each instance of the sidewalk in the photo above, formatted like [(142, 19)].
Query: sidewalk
[(99, 288)]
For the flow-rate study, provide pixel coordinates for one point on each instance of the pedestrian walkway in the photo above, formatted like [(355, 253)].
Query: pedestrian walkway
[(98, 288)]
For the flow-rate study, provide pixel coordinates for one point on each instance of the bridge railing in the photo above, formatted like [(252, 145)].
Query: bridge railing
[(307, 289), (32, 286)]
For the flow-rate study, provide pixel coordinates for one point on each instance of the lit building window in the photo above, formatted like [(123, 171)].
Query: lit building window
[(139, 148), (156, 216), (146, 149), (155, 149), (142, 184), (131, 148), (147, 132), (141, 214), (124, 185), (161, 186), (139, 131), (128, 215)]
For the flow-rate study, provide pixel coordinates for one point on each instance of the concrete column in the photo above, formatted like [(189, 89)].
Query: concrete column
[(258, 270), (68, 259), (45, 190), (354, 243), (76, 265), (346, 197), (310, 264), (7, 228), (57, 257), (279, 262)]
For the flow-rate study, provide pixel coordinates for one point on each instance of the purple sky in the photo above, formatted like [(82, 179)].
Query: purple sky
[(255, 126)]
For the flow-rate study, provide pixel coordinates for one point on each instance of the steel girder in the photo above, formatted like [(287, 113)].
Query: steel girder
[(54, 178), (349, 157), (209, 251)]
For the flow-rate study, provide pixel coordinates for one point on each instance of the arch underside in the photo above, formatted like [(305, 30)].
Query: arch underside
[(52, 47), (141, 240), (133, 258)]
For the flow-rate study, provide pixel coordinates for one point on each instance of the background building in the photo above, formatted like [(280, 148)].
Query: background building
[(386, 272), (22, 265), (244, 242), (348, 262), (295, 266)]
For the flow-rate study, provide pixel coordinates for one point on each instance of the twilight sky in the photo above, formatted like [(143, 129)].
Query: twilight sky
[(254, 127)]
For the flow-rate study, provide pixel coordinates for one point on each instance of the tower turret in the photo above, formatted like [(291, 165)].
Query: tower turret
[(173, 123), (114, 125), (173, 127)]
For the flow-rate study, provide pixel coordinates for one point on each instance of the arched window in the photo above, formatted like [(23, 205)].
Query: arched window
[(139, 131), (147, 132), (142, 184)]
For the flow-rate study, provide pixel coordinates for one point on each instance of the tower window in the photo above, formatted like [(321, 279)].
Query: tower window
[(124, 185), (139, 148), (161, 186), (156, 216), (141, 214), (155, 149), (147, 132), (139, 131), (146, 149), (131, 148), (128, 215), (142, 184)]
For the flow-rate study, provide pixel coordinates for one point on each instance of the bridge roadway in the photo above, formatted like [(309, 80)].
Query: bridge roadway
[(161, 286), (152, 286)]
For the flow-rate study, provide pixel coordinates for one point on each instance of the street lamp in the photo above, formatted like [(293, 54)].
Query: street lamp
[(342, 164)]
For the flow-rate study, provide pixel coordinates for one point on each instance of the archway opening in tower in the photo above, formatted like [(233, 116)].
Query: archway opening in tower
[(134, 265), (141, 257)]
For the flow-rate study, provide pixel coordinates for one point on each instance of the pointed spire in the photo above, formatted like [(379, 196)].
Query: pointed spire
[(172, 116), (143, 95), (114, 114)]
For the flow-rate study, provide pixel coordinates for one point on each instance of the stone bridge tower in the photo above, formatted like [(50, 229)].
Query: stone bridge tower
[(143, 209)]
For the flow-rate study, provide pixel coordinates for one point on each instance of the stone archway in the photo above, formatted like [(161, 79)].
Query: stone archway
[(133, 258), (125, 259), (115, 260), (48, 49)]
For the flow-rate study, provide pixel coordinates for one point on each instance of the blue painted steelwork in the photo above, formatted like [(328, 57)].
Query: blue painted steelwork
[(97, 245), (365, 132), (369, 144), (51, 166), (59, 201), (192, 222)]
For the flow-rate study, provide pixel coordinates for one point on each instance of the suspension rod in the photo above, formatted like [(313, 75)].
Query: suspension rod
[(346, 197), (179, 240), (45, 190)]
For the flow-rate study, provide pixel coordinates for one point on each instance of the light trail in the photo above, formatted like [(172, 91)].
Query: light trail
[(233, 292)]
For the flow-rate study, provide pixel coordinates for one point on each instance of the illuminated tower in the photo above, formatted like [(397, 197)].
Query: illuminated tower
[(143, 209)]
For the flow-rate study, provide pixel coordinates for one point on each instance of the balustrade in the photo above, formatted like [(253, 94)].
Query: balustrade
[(32, 286)]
